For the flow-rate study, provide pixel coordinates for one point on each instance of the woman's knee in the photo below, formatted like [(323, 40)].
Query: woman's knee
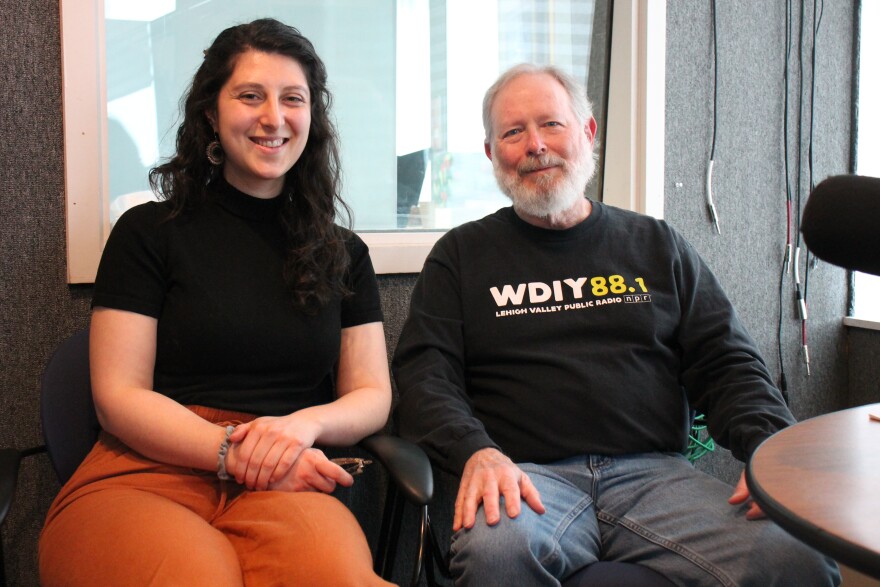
[(298, 538), (133, 538)]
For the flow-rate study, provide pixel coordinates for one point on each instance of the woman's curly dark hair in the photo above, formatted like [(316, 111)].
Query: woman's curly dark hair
[(317, 258)]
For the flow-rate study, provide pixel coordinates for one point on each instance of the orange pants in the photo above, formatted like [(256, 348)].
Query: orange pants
[(123, 519)]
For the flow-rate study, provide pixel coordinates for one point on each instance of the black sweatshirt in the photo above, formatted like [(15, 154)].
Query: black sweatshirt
[(598, 339)]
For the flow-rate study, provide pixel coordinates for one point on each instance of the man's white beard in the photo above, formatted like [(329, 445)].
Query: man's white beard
[(547, 199)]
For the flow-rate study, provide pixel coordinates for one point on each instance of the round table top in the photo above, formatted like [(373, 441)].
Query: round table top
[(820, 480)]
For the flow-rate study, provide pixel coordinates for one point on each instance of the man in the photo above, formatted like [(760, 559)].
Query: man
[(551, 358)]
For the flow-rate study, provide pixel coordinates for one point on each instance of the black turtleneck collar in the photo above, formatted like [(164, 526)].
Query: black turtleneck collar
[(241, 204)]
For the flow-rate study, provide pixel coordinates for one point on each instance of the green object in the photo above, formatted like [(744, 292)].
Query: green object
[(699, 441)]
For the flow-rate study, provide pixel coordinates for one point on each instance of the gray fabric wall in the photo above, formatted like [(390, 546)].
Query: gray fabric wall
[(38, 309), (749, 181)]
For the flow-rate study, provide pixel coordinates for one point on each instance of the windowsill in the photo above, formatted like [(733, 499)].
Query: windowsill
[(861, 323)]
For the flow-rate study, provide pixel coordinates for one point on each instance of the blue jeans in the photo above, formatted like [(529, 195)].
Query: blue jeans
[(656, 510)]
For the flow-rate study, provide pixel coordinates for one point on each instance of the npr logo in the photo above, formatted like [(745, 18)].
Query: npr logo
[(636, 299)]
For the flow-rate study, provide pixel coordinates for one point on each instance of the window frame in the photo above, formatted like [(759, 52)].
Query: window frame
[(860, 315), (632, 179)]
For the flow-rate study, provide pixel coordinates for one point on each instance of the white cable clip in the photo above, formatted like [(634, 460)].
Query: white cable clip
[(713, 213)]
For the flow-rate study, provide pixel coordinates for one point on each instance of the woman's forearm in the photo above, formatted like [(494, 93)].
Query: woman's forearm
[(162, 429), (351, 417)]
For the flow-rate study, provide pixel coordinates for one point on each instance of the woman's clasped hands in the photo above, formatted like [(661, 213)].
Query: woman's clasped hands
[(276, 453)]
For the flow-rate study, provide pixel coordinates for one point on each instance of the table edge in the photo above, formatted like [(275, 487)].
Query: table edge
[(840, 549)]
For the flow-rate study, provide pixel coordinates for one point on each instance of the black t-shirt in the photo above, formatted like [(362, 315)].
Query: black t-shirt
[(229, 335)]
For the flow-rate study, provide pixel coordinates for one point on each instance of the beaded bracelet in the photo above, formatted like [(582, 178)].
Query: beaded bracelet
[(221, 455)]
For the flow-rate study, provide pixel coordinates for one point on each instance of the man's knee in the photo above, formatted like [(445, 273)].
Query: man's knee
[(485, 541), (781, 560), (513, 547)]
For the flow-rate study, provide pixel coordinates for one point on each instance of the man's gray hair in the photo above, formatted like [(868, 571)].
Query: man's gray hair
[(583, 110)]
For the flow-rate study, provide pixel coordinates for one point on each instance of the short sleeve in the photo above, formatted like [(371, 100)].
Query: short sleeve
[(131, 274), (363, 305)]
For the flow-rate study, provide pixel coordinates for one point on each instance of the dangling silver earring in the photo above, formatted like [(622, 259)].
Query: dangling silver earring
[(214, 152)]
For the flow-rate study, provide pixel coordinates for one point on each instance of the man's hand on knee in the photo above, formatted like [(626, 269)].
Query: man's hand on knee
[(489, 475), (741, 495)]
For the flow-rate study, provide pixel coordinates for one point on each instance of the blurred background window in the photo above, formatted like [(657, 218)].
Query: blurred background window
[(867, 287), (407, 77)]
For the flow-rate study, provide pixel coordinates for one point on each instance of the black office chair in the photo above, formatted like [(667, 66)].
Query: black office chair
[(614, 574), (411, 169), (70, 429)]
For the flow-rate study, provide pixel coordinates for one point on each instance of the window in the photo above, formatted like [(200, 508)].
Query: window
[(407, 90), (867, 287)]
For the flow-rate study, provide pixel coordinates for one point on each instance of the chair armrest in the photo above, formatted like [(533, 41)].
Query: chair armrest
[(407, 465), (9, 461)]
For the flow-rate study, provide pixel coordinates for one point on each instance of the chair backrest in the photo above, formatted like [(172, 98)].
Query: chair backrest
[(70, 426), (411, 169)]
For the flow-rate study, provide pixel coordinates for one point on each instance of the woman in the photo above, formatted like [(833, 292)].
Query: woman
[(234, 326)]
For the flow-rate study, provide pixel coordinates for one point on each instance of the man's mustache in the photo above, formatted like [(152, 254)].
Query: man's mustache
[(541, 162)]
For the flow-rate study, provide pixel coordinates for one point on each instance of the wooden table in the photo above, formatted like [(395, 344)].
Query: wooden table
[(820, 480)]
